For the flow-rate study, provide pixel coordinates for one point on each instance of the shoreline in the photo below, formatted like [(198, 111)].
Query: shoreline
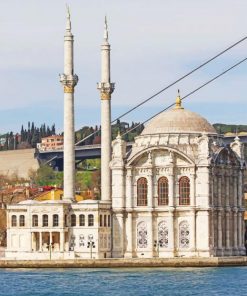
[(121, 262)]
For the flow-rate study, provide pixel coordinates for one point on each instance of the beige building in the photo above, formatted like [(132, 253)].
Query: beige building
[(51, 143)]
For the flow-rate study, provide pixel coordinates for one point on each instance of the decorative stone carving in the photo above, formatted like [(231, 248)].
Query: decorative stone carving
[(142, 240), (163, 234), (238, 148), (184, 235), (118, 150), (81, 240)]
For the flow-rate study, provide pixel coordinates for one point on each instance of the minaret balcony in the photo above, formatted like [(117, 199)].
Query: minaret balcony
[(69, 80), (107, 87)]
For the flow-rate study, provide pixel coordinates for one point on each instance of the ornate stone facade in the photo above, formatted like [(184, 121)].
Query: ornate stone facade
[(201, 213)]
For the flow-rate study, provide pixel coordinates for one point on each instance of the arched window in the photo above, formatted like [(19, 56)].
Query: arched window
[(163, 191), (184, 191), (55, 220), (82, 220), (65, 220), (90, 220), (35, 221), (184, 235), (101, 220), (13, 221), (142, 192), (73, 220), (22, 221), (45, 221), (142, 235), (163, 234)]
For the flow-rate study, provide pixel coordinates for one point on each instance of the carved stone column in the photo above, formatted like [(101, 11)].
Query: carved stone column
[(150, 231), (193, 230), (235, 231), (227, 191), (240, 230), (61, 241), (219, 190), (40, 241), (219, 230), (120, 219), (227, 229), (150, 188), (129, 189), (171, 190), (129, 243), (240, 189), (171, 231), (192, 189), (235, 190)]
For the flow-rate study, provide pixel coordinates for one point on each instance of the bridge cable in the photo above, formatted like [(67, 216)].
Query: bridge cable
[(189, 94), (181, 78), (170, 85)]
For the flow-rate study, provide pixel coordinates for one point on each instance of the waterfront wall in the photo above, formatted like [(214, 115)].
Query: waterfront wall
[(114, 263)]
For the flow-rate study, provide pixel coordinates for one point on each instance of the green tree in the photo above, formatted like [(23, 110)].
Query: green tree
[(45, 176)]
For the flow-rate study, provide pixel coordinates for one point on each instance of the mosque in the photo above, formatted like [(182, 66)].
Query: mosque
[(178, 192)]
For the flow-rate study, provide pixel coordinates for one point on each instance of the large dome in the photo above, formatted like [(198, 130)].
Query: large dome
[(178, 120)]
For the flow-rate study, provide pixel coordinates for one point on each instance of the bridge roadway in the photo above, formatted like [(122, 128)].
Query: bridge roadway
[(55, 157)]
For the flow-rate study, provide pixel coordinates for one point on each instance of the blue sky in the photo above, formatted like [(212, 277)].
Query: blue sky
[(153, 43)]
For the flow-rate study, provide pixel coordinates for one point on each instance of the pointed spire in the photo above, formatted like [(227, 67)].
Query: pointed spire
[(118, 135), (106, 30), (68, 23), (178, 101)]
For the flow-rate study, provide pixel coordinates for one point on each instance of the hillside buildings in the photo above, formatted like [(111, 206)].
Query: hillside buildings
[(178, 192), (54, 142)]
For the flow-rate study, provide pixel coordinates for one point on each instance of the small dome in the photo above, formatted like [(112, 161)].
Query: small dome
[(178, 120)]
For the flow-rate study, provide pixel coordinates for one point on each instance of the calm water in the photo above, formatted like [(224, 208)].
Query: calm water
[(162, 281)]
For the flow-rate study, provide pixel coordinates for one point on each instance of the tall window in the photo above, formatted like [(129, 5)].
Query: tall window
[(109, 220), (22, 220), (142, 192), (65, 221), (82, 220), (55, 220), (73, 220), (105, 220), (163, 191), (184, 191), (35, 221), (13, 221), (45, 221), (90, 220), (101, 220)]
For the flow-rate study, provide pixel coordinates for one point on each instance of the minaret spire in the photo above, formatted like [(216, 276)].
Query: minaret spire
[(106, 30), (68, 22), (69, 81), (106, 88)]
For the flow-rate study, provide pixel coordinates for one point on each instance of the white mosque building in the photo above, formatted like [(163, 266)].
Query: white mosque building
[(178, 192)]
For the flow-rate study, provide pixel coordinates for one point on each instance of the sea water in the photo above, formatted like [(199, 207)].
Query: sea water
[(124, 281)]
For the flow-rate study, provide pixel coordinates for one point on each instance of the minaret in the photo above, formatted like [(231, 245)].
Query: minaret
[(69, 81), (106, 88)]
